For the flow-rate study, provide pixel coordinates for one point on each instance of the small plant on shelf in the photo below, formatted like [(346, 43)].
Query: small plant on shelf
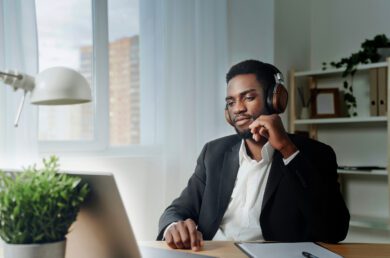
[(304, 103), (367, 54)]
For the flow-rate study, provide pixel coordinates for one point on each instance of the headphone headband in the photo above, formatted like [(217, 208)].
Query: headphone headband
[(279, 78)]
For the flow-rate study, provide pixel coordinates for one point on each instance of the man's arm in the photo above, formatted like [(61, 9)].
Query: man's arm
[(315, 167), (186, 207), (322, 206)]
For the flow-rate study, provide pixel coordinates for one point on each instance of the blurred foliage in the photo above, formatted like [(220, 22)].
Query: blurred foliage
[(39, 205), (367, 54)]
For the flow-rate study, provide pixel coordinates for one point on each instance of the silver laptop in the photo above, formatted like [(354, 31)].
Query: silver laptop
[(102, 228)]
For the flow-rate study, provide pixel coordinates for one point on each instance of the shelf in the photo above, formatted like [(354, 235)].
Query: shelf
[(362, 172), (370, 222), (340, 120), (338, 70)]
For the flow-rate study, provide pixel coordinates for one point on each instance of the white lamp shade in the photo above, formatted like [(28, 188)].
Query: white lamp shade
[(60, 86)]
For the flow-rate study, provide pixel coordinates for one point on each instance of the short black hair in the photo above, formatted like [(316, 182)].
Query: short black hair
[(265, 73)]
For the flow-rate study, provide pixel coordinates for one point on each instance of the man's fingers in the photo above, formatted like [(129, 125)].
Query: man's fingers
[(169, 240), (264, 132), (255, 124), (176, 238), (184, 235), (200, 239), (191, 227)]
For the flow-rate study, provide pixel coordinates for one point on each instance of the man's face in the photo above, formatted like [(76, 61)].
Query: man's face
[(244, 102)]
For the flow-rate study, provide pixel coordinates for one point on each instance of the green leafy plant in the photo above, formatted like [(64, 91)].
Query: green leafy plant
[(367, 54), (39, 205)]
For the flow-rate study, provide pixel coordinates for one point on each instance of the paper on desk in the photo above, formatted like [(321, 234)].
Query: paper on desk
[(285, 250)]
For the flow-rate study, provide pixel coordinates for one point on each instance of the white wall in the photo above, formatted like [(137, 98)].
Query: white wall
[(251, 30), (292, 37), (339, 27)]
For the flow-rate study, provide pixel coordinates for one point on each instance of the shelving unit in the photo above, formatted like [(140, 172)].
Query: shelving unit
[(363, 173), (341, 120), (370, 223), (338, 71), (351, 127)]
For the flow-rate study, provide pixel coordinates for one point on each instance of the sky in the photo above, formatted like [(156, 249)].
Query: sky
[(65, 26)]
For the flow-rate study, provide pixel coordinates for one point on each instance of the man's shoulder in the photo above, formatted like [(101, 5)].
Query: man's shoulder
[(305, 143), (221, 145), (225, 141)]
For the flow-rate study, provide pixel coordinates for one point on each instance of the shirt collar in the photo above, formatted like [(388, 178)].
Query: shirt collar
[(266, 153)]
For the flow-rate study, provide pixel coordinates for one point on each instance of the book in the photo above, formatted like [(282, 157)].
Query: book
[(374, 111), (382, 91)]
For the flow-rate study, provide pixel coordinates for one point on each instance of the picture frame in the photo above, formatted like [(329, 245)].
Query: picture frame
[(325, 103)]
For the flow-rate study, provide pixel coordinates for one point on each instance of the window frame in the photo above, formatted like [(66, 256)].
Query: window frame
[(100, 144)]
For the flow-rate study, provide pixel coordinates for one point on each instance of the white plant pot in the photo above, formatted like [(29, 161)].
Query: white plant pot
[(49, 250), (304, 113)]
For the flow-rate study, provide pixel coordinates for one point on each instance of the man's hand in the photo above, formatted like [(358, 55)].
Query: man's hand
[(271, 127), (184, 235)]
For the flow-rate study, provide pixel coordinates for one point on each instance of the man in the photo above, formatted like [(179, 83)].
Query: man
[(261, 184)]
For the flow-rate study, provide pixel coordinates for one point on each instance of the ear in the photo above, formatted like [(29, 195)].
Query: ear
[(227, 117)]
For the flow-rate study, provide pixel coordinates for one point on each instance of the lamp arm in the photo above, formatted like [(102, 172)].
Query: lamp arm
[(17, 76), (16, 123), (18, 80)]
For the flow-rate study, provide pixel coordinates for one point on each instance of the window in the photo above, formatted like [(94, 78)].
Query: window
[(68, 36), (65, 39)]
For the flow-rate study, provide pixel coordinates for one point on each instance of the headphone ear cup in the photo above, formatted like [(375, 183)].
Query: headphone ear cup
[(227, 117), (279, 99)]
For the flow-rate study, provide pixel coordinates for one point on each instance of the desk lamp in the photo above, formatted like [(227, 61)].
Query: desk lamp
[(53, 86)]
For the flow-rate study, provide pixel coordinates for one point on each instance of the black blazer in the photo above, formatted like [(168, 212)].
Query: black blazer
[(302, 201)]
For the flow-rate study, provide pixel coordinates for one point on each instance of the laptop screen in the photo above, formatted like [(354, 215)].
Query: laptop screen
[(102, 228)]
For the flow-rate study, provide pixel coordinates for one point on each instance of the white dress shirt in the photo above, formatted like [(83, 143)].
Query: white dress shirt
[(241, 221)]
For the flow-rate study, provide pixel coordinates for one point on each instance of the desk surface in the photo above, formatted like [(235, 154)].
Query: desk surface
[(227, 249)]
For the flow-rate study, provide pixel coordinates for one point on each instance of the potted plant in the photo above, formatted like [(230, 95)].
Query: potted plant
[(37, 208), (370, 52), (304, 104)]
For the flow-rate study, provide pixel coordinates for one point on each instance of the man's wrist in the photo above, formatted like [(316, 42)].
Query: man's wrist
[(288, 149), (289, 159)]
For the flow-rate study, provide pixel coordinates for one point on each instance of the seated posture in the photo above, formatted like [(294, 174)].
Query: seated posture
[(261, 184)]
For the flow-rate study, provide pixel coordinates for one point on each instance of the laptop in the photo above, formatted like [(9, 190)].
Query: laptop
[(102, 228)]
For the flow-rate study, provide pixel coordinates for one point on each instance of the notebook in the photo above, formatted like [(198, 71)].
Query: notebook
[(286, 250)]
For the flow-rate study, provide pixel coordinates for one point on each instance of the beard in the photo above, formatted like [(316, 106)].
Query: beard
[(244, 135), (247, 134)]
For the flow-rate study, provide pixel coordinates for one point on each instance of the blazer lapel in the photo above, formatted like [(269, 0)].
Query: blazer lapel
[(228, 178), (275, 175)]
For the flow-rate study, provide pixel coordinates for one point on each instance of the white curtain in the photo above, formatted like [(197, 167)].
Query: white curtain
[(18, 51), (185, 45)]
